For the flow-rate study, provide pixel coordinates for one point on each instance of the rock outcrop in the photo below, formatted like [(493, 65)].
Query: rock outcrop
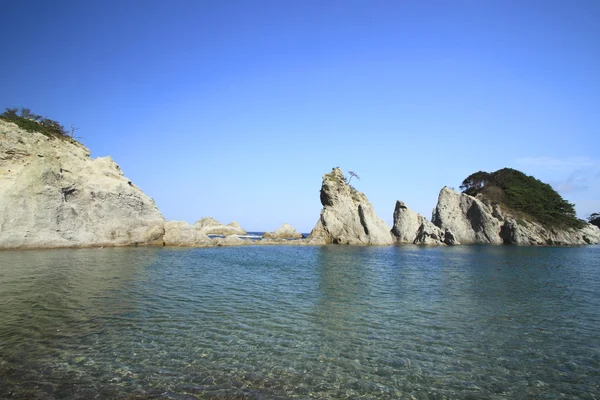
[(182, 234), (285, 231), (469, 220), (347, 216), (52, 194), (521, 232), (412, 228), (211, 226)]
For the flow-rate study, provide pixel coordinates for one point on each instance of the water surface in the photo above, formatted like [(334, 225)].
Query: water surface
[(331, 322)]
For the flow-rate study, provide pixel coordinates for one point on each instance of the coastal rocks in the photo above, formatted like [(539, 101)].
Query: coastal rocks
[(182, 234), (347, 216), (211, 226), (468, 218), (52, 194), (521, 232), (412, 228), (285, 231)]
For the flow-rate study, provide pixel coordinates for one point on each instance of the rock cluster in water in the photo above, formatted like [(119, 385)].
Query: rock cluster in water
[(463, 219), (52, 194)]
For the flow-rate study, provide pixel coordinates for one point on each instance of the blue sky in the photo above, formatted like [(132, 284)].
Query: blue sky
[(235, 109)]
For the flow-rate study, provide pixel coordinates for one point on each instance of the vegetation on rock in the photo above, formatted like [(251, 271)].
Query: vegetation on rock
[(31, 122), (594, 219), (524, 194)]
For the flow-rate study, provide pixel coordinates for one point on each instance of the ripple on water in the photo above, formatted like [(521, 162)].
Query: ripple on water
[(311, 322)]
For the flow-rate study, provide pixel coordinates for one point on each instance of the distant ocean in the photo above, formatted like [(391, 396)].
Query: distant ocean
[(301, 322)]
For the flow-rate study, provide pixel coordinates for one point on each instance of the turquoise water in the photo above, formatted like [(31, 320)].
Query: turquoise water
[(479, 322)]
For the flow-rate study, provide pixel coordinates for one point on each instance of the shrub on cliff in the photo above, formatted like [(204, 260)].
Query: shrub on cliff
[(594, 219), (524, 194), (31, 122)]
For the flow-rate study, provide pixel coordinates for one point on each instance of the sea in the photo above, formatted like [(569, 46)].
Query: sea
[(301, 322)]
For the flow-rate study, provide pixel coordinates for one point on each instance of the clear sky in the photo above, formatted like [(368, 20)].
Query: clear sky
[(235, 109)]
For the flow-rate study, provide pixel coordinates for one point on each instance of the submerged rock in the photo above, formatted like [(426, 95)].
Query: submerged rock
[(52, 194), (285, 231), (347, 216), (211, 226)]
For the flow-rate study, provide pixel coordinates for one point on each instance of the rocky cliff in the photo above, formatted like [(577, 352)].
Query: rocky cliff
[(476, 220), (412, 228), (347, 216), (52, 194), (469, 219)]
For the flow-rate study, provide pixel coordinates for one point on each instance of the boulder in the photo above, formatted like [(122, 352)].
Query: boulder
[(182, 234), (211, 226), (469, 219), (410, 227), (52, 194), (285, 231), (347, 216)]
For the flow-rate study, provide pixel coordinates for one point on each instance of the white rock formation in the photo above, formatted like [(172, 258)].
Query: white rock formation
[(412, 228), (469, 219), (52, 194), (521, 232), (211, 226), (182, 234), (347, 216), (285, 231)]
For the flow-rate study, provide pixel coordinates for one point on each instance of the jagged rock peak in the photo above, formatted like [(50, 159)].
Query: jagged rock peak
[(410, 227), (469, 219), (347, 216)]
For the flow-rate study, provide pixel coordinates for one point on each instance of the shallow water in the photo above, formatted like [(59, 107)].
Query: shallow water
[(472, 322)]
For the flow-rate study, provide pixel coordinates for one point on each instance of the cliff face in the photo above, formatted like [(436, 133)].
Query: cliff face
[(347, 216), (412, 228), (473, 221), (52, 194), (469, 219)]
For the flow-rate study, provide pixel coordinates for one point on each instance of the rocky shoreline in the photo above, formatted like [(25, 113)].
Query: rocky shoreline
[(53, 195)]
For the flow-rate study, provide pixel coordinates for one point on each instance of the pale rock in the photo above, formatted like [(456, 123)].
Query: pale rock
[(211, 226), (285, 231), (469, 219), (410, 227), (231, 241), (52, 194), (182, 234), (347, 216), (521, 232)]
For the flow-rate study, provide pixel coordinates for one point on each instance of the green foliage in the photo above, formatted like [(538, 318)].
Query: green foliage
[(594, 219), (33, 123), (524, 194)]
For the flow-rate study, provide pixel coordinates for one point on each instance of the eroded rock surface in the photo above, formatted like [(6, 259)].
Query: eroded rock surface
[(211, 226), (285, 231), (347, 216), (469, 219), (52, 194)]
